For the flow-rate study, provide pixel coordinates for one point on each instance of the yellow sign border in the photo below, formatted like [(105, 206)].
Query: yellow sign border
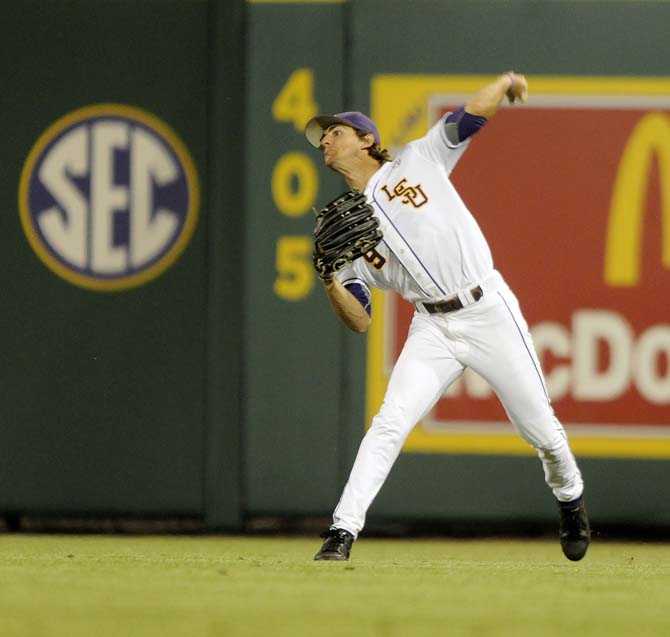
[(400, 102), (140, 278)]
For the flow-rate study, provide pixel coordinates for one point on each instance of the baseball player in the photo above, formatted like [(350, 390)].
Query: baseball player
[(435, 256)]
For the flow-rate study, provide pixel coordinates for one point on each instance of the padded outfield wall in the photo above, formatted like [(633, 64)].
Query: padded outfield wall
[(573, 193), (168, 351), (120, 222)]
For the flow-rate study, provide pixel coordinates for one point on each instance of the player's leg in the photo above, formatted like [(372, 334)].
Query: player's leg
[(425, 367), (502, 352)]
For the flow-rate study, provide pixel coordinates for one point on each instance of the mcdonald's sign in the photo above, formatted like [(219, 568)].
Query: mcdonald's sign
[(576, 208)]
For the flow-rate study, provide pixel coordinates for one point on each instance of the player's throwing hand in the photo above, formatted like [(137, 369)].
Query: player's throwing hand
[(518, 88)]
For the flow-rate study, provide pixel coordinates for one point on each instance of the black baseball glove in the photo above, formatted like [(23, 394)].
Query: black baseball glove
[(345, 230)]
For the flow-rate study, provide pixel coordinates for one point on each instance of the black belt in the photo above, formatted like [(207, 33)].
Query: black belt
[(452, 304)]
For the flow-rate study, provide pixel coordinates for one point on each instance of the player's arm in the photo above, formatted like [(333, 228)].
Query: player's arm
[(487, 101), (467, 120), (351, 304)]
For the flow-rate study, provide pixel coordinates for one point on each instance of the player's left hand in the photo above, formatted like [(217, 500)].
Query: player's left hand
[(345, 230), (518, 88)]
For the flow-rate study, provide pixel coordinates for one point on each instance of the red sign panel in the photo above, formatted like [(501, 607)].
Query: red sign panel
[(575, 203)]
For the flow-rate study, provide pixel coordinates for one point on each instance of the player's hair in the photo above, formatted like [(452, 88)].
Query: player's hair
[(376, 151)]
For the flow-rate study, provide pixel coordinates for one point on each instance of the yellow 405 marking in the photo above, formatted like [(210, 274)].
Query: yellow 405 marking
[(295, 185)]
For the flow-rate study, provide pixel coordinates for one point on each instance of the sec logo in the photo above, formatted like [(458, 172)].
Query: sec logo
[(108, 197)]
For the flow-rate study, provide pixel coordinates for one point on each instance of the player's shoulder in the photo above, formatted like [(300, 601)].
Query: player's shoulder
[(435, 134), (412, 147), (436, 141)]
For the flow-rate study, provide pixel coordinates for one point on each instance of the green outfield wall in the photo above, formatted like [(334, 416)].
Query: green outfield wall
[(117, 362), (168, 349)]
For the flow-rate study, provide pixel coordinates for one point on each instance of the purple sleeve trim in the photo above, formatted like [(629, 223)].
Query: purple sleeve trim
[(361, 294), (464, 124)]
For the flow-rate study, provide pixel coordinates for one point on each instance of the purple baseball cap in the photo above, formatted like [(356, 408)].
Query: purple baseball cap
[(354, 119)]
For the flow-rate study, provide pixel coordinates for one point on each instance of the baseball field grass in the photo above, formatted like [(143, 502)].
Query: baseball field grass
[(164, 586)]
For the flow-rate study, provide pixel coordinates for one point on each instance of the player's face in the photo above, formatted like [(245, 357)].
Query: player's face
[(340, 144)]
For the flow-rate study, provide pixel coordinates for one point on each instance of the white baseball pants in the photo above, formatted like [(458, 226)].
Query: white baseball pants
[(491, 337)]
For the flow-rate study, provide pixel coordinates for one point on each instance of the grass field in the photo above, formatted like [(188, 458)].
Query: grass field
[(124, 586)]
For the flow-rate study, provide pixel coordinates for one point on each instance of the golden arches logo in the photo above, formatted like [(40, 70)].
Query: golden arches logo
[(623, 250)]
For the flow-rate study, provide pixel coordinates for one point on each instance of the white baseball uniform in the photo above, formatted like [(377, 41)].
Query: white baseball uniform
[(433, 249)]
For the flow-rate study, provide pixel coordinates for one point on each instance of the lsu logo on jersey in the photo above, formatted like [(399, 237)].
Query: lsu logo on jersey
[(108, 197), (413, 195)]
